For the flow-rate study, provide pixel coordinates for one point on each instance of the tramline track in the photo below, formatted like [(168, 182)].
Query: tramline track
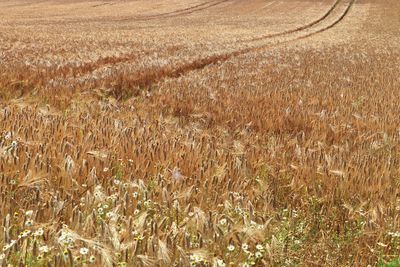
[(156, 75), (304, 27), (218, 59), (127, 18), (203, 62), (175, 13)]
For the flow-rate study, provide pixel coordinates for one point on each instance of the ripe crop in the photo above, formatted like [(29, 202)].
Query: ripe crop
[(199, 133)]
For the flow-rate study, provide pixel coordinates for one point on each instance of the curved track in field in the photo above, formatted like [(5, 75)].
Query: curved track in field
[(203, 62), (301, 28), (179, 12), (217, 59), (131, 18), (144, 79)]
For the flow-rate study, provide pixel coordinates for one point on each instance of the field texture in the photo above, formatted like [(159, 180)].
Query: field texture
[(200, 133)]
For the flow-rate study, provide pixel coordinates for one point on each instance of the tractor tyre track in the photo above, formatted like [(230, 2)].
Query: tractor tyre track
[(301, 28), (179, 12), (128, 57), (150, 78), (171, 14)]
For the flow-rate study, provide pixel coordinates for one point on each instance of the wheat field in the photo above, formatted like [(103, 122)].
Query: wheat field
[(200, 133)]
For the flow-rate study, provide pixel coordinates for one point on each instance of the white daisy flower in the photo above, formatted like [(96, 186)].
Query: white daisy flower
[(92, 259), (100, 211), (39, 232), (84, 251), (258, 254), (260, 247)]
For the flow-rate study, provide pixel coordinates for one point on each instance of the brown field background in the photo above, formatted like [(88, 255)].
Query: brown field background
[(200, 133)]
